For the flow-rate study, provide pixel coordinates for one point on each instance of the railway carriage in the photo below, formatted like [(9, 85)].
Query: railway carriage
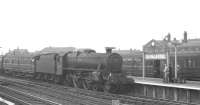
[(17, 63), (189, 63)]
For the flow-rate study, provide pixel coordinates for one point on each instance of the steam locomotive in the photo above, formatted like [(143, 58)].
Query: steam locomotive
[(86, 69)]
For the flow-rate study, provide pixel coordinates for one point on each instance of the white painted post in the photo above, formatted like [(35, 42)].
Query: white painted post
[(164, 93), (143, 65), (188, 96), (115, 102), (175, 62), (175, 94)]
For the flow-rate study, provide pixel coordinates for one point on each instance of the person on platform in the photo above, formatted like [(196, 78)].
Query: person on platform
[(170, 74), (180, 77), (166, 74)]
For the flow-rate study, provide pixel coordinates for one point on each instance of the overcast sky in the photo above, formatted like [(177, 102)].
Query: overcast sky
[(125, 24)]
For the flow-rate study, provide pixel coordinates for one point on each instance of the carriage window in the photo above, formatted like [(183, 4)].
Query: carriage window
[(8, 61), (18, 61), (22, 60), (58, 58), (15, 61), (192, 63), (32, 60), (5, 61), (197, 63), (189, 63), (25, 61), (185, 63), (12, 61)]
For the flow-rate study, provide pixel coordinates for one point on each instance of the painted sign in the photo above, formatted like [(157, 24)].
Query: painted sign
[(155, 56)]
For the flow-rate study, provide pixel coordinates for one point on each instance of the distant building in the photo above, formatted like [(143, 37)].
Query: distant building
[(18, 52), (125, 52), (130, 57), (57, 50)]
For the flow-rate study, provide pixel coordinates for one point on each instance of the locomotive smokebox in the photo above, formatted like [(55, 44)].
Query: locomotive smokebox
[(109, 50)]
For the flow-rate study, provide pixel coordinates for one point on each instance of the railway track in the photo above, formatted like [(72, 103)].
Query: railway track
[(21, 98), (100, 96), (130, 100), (124, 99), (64, 97)]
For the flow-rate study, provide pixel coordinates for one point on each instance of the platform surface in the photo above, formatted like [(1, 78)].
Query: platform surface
[(193, 85)]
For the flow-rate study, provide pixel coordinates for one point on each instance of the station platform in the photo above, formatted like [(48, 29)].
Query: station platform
[(193, 85), (188, 92)]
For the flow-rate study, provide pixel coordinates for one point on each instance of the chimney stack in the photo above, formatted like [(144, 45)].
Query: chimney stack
[(174, 39), (169, 37), (185, 37), (109, 50)]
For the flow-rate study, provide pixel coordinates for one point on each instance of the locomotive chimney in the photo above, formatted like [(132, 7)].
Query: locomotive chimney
[(109, 50), (185, 37)]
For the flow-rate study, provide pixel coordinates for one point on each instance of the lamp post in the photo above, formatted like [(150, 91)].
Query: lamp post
[(143, 64), (175, 43)]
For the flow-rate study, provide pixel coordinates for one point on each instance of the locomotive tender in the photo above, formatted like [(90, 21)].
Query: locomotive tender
[(88, 70)]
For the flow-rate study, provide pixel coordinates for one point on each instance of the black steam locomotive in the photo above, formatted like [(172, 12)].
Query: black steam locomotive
[(86, 69)]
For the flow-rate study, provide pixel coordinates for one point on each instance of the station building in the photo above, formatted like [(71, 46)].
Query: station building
[(161, 52)]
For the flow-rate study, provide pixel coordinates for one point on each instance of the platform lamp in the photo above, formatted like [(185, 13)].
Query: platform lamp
[(175, 44)]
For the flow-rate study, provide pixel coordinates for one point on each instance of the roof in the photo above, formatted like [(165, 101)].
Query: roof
[(57, 49), (191, 43), (156, 43), (164, 43)]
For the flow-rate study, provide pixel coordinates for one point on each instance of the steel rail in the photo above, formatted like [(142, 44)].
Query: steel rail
[(24, 98), (106, 96), (61, 94)]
